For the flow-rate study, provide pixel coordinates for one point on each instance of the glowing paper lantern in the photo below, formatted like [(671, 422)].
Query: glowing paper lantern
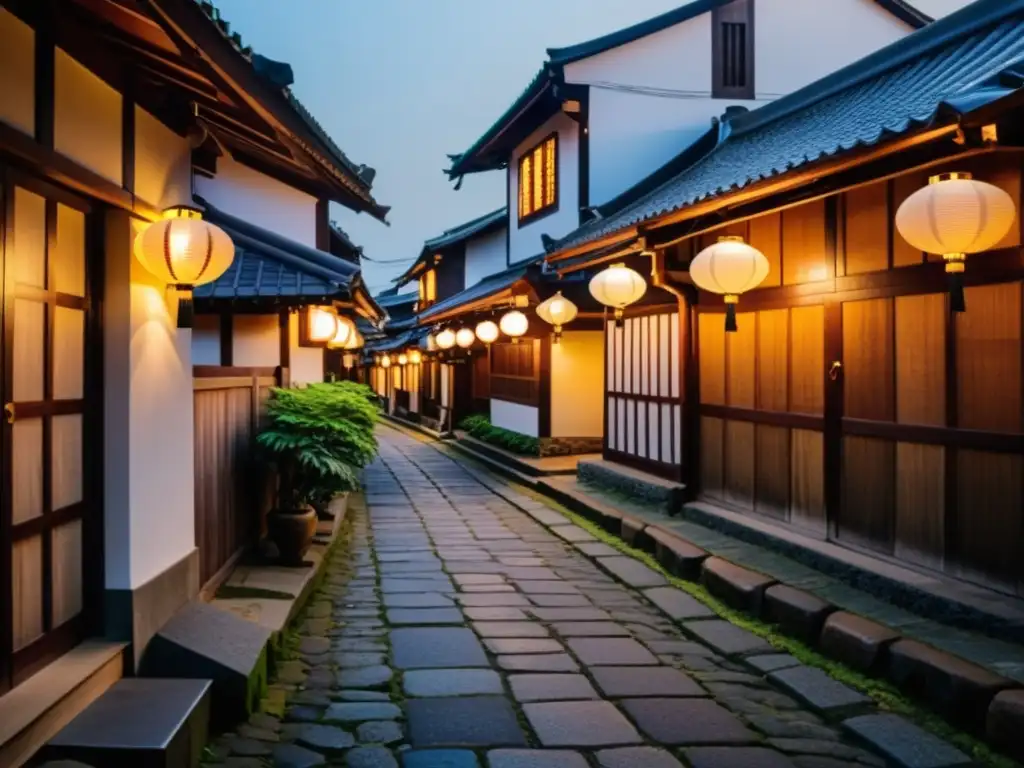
[(346, 329), (557, 311), (355, 340), (430, 342), (465, 338), (348, 360), (446, 339), (953, 216), (321, 324), (730, 267), (514, 324), (385, 361), (617, 287), (403, 359), (415, 357), (184, 251), (487, 332)]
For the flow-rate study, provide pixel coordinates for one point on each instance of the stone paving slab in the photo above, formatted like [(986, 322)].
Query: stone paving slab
[(454, 630)]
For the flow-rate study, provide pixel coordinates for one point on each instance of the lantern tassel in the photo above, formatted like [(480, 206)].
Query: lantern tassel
[(618, 318), (186, 308), (730, 314)]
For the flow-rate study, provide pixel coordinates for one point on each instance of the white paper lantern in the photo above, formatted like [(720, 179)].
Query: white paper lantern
[(729, 267), (465, 338), (385, 361), (446, 339), (953, 216), (346, 329), (403, 359), (355, 339), (415, 357), (617, 287), (557, 311), (430, 342), (184, 251), (321, 324), (514, 324), (487, 331)]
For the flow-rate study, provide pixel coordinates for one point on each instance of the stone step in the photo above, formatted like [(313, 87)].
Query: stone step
[(138, 723)]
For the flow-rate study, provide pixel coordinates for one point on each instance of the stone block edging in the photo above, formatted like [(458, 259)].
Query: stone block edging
[(969, 696)]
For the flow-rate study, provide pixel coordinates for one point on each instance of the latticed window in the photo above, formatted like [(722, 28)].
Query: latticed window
[(538, 183)]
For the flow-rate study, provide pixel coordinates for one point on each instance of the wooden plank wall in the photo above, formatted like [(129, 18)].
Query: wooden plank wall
[(231, 497)]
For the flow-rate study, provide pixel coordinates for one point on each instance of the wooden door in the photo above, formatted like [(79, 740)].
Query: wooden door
[(48, 515)]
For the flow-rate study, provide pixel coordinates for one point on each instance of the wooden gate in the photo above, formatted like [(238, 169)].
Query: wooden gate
[(232, 496)]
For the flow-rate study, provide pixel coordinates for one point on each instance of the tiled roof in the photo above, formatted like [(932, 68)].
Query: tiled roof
[(267, 265), (478, 226), (472, 160), (396, 299), (964, 61), (358, 178), (490, 285)]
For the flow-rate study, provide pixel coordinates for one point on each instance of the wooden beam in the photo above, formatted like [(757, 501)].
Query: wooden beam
[(227, 336), (45, 64)]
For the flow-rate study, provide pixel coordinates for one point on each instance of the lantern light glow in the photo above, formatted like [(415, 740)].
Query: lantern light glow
[(465, 338), (514, 324), (618, 287), (403, 359), (322, 324), (446, 339), (385, 361), (487, 332), (346, 328), (953, 216), (415, 357), (730, 267), (557, 311)]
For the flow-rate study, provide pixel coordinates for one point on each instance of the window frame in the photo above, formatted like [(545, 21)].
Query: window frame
[(736, 12), (550, 208)]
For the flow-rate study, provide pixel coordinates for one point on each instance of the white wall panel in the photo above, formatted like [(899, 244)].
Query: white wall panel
[(86, 118), (17, 73)]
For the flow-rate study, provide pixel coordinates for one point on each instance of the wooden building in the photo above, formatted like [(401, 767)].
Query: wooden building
[(851, 404)]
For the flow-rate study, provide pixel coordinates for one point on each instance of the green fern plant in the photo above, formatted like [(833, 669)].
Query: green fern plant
[(318, 437)]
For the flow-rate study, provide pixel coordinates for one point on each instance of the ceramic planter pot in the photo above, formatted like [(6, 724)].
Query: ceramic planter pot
[(292, 532)]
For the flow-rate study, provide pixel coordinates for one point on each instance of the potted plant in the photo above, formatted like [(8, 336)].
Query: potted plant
[(318, 437)]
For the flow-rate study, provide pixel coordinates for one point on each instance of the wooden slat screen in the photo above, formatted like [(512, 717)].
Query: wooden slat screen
[(515, 372)]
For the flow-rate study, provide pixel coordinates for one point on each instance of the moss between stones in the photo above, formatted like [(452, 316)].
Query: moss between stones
[(886, 696)]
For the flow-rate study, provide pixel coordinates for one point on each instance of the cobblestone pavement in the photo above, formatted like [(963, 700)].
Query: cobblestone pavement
[(456, 631)]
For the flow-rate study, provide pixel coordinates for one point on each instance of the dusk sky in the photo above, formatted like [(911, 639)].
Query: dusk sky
[(399, 84)]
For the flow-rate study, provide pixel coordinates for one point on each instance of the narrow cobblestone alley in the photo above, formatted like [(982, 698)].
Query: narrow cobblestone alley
[(458, 631)]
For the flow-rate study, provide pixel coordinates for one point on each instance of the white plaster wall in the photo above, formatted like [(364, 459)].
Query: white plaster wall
[(262, 200), (485, 256), (206, 340), (446, 372), (307, 363), (577, 385), (149, 440), (525, 242), (796, 42), (86, 118), (524, 419), (17, 73), (163, 163), (256, 341)]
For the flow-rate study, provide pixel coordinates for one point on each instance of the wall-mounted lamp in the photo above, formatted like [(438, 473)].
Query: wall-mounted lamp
[(557, 311), (184, 251), (617, 287), (514, 324)]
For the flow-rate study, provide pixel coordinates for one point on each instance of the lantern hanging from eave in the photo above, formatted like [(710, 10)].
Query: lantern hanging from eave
[(514, 324), (403, 359), (953, 216), (729, 267), (487, 331), (617, 287), (321, 324), (446, 339), (415, 357), (355, 339), (385, 361), (348, 360), (465, 338), (346, 329), (184, 251), (430, 342), (557, 311)]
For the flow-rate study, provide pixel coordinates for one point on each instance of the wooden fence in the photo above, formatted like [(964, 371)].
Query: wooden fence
[(231, 497)]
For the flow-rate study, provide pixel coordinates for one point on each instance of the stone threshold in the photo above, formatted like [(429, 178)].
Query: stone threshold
[(530, 467), (407, 424), (31, 713), (278, 592)]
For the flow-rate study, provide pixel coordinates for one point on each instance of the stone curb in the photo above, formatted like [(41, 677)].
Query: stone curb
[(862, 639), (969, 696)]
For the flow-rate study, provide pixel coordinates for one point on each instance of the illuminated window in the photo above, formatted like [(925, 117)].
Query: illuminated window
[(538, 183), (428, 288)]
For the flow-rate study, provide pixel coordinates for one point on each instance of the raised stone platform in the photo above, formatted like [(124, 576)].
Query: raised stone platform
[(665, 495), (139, 723)]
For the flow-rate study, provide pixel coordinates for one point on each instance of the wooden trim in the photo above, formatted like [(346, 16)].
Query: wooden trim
[(771, 418), (227, 339), (651, 466), (42, 408), (832, 422), (323, 225), (6, 522), (220, 371), (231, 382), (44, 23), (969, 439), (737, 12), (691, 403), (284, 339), (128, 137), (542, 355), (55, 643), (583, 144), (660, 399)]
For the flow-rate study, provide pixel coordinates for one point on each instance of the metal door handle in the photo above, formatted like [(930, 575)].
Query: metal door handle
[(11, 413), (833, 371)]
